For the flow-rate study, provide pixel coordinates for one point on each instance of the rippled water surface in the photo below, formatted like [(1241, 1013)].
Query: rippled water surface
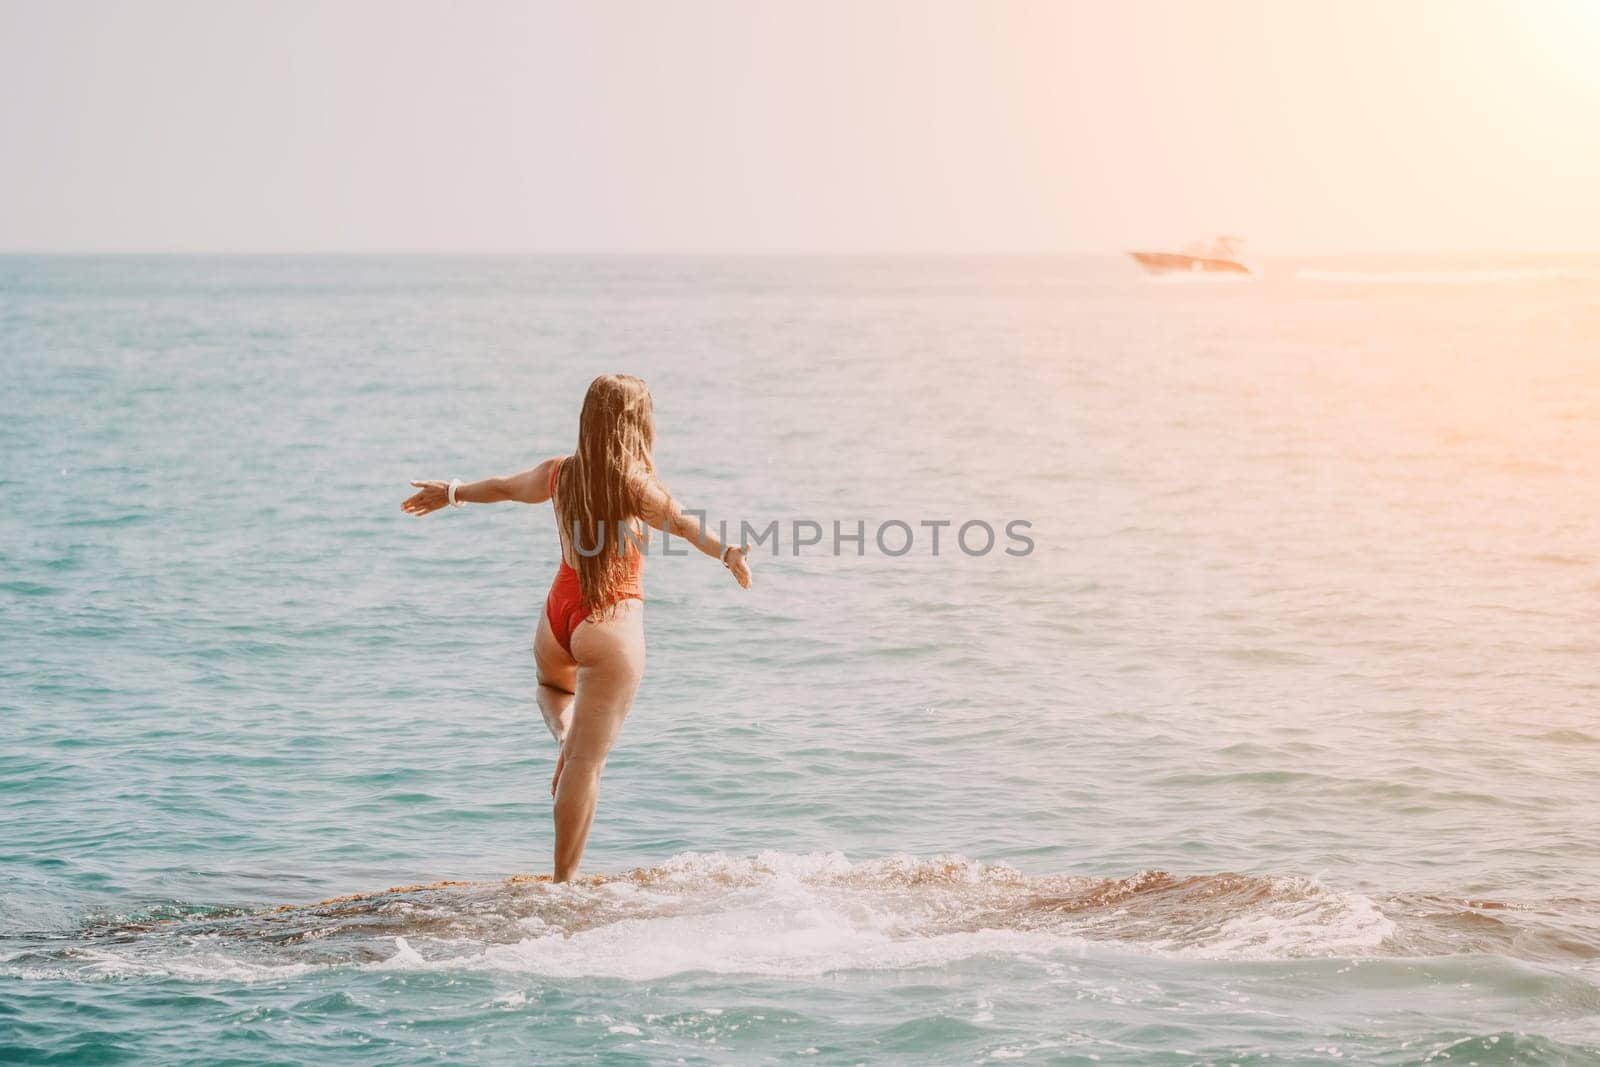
[(1282, 745)]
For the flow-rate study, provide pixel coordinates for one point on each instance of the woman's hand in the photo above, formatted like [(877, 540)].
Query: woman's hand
[(430, 496), (737, 560)]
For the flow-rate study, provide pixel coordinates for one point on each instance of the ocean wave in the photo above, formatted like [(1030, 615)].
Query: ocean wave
[(791, 915), (1488, 1050), (781, 914)]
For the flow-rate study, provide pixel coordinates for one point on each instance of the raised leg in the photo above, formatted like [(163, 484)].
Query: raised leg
[(558, 677), (610, 656)]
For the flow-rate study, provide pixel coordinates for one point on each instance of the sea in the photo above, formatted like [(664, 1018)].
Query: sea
[(1246, 709)]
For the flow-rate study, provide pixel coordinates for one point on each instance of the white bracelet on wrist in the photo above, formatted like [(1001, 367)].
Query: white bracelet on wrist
[(455, 483)]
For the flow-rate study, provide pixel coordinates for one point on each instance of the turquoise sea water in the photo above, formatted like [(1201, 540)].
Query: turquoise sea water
[(1280, 747)]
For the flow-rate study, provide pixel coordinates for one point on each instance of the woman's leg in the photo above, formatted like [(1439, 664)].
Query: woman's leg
[(610, 655), (558, 677)]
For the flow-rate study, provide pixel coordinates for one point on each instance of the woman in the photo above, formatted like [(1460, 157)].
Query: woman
[(589, 649)]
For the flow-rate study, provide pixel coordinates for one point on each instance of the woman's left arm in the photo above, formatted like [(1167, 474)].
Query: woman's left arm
[(531, 486)]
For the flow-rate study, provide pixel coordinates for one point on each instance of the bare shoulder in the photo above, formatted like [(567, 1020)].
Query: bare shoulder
[(547, 473), (655, 499), (533, 485)]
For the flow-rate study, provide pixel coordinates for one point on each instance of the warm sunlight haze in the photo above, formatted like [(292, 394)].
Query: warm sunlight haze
[(827, 532), (818, 127)]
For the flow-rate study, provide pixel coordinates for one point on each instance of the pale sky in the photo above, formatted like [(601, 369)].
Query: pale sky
[(803, 126)]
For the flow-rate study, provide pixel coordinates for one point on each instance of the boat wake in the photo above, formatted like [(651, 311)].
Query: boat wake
[(1485, 276), (795, 915)]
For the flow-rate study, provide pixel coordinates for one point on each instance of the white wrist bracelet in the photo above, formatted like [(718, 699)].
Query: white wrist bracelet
[(455, 483)]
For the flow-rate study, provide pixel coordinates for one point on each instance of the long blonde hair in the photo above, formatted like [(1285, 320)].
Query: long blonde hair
[(599, 489)]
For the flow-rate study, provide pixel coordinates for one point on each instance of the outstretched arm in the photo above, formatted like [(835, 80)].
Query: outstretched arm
[(531, 486), (662, 512)]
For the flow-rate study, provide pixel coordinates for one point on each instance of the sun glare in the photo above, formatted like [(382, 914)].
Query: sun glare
[(1567, 35)]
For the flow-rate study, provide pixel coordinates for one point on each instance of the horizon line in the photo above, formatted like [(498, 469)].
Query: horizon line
[(751, 254)]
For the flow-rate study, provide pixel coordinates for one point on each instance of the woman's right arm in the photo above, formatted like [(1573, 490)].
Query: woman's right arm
[(531, 486)]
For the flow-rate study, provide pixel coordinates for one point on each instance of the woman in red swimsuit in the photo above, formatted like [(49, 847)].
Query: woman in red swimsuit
[(589, 648)]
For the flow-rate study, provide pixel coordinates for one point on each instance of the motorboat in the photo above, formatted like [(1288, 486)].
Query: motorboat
[(1220, 255)]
